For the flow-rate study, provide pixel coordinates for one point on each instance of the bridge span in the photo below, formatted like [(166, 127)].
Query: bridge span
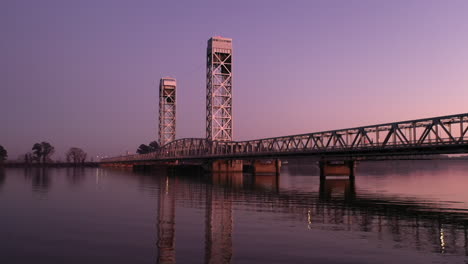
[(428, 136)]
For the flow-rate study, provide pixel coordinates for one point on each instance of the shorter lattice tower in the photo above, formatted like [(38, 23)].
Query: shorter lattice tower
[(167, 110), (219, 125)]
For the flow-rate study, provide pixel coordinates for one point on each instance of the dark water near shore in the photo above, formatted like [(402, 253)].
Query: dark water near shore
[(394, 212)]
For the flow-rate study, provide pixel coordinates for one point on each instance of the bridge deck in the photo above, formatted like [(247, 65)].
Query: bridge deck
[(436, 135)]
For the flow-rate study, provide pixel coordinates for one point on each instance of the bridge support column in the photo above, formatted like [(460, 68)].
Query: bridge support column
[(227, 166), (345, 168), (267, 166)]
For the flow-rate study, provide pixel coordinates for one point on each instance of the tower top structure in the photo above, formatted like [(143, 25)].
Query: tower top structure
[(220, 43)]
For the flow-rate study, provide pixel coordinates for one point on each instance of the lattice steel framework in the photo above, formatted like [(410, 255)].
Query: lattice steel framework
[(436, 135), (167, 110), (219, 123)]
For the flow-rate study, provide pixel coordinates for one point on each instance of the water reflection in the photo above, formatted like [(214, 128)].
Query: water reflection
[(266, 182), (40, 179), (118, 216), (75, 175), (336, 205), (2, 177), (218, 217), (234, 180), (342, 188), (166, 221)]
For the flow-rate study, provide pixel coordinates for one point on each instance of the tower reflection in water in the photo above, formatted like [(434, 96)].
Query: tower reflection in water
[(218, 218), (334, 206), (166, 220)]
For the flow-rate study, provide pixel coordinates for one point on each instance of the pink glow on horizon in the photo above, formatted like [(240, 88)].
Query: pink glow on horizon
[(86, 73)]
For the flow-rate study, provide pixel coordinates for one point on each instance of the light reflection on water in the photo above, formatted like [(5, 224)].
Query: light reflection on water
[(393, 212)]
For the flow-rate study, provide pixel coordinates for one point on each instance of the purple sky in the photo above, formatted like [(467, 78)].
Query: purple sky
[(85, 73)]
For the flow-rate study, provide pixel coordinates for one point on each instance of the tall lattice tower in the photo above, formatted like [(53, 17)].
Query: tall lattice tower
[(167, 110), (219, 89)]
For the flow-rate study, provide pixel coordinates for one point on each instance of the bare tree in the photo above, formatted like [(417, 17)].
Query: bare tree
[(43, 151), (76, 156)]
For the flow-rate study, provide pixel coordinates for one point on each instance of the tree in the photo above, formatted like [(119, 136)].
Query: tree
[(37, 152), (48, 150), (76, 156), (151, 147), (43, 151), (154, 145), (3, 153), (143, 149)]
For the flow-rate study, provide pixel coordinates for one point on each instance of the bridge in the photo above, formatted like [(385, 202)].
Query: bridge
[(219, 152), (435, 135)]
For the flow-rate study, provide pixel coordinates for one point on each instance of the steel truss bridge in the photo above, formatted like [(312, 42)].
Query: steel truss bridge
[(436, 135)]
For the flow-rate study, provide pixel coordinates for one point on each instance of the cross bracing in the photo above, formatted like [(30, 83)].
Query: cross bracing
[(436, 135), (167, 110), (219, 125)]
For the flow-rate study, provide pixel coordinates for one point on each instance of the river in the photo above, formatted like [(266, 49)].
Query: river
[(393, 212)]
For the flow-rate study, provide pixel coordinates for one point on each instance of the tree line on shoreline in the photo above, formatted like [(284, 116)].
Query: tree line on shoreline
[(42, 152), (41, 156)]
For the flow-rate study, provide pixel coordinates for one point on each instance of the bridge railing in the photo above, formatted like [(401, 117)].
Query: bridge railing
[(421, 133)]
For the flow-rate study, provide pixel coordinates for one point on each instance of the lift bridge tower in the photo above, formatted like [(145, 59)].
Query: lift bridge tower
[(219, 89), (167, 110)]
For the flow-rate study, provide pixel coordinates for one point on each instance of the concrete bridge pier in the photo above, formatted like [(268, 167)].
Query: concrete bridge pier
[(266, 166), (226, 166), (343, 168)]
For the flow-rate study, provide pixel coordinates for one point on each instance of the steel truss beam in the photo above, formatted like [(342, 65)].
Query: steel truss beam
[(423, 136)]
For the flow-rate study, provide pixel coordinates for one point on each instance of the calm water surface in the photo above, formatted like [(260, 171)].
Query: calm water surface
[(394, 212)]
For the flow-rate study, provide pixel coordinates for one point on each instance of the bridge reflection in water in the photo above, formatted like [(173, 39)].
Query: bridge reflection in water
[(335, 206)]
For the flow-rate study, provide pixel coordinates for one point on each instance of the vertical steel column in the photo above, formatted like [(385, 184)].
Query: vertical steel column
[(167, 110), (219, 123)]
